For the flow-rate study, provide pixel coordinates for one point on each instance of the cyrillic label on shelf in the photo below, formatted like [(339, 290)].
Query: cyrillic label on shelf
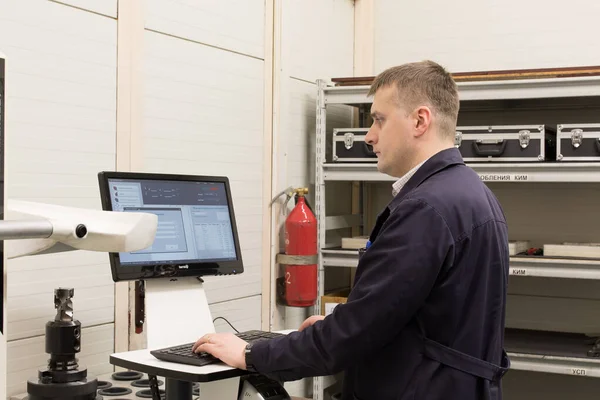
[(504, 177), (578, 371), (518, 271)]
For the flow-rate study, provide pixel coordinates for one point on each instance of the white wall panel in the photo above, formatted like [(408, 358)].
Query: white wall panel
[(61, 124), (299, 131), (297, 139), (315, 41), (486, 35), (105, 7), (322, 51), (227, 24), (28, 355), (32, 295), (61, 109), (318, 38), (203, 114), (243, 314)]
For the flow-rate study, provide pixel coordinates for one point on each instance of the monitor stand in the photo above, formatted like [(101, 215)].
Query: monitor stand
[(177, 312)]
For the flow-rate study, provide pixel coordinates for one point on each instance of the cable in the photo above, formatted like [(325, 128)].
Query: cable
[(287, 191), (236, 331), (154, 387)]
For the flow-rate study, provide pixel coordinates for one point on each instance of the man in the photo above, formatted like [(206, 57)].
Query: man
[(425, 318)]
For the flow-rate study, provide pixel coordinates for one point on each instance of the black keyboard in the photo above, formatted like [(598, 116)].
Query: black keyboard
[(183, 353)]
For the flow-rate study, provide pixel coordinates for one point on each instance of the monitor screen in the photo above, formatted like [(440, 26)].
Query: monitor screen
[(196, 233)]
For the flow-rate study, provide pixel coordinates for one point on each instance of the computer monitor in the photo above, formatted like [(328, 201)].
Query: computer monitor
[(196, 234)]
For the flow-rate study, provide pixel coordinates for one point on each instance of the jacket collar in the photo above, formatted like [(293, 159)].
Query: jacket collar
[(433, 165)]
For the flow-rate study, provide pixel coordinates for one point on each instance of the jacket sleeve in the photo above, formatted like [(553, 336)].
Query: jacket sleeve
[(394, 277)]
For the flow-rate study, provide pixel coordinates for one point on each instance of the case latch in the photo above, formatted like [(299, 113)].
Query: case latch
[(348, 140), (576, 137), (457, 139), (524, 138)]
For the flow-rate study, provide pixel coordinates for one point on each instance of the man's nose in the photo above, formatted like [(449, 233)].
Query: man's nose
[(370, 137)]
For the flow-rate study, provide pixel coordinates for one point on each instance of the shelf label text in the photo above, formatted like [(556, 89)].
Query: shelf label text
[(504, 177), (579, 371), (518, 271)]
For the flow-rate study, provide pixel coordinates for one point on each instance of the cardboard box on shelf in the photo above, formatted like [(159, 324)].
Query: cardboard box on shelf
[(331, 300)]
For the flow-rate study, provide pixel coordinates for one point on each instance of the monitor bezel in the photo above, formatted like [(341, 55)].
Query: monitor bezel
[(128, 272)]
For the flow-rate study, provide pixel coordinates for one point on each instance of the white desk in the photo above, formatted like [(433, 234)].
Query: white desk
[(179, 378), (218, 381)]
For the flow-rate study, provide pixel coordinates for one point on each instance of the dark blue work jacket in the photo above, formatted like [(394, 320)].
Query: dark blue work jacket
[(425, 318)]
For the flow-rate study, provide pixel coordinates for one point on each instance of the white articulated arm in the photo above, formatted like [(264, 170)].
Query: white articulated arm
[(41, 227)]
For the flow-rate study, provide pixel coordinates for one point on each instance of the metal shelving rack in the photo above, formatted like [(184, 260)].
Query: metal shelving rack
[(553, 172), (543, 267), (491, 172)]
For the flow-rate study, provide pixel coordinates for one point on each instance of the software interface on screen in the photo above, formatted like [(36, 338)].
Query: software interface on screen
[(194, 224)]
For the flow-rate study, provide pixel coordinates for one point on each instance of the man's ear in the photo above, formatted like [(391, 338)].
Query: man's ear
[(422, 119)]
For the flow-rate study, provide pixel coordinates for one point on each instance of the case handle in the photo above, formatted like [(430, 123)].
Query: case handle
[(369, 149), (498, 147)]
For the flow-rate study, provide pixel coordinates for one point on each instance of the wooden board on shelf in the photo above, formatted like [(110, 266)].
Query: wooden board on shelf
[(538, 73), (354, 243), (573, 250)]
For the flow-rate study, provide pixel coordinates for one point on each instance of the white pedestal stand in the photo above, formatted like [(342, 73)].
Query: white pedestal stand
[(177, 312)]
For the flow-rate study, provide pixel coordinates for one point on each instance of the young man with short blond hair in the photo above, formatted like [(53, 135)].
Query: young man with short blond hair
[(425, 318)]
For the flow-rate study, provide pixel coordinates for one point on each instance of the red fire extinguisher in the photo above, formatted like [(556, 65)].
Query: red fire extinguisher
[(301, 240)]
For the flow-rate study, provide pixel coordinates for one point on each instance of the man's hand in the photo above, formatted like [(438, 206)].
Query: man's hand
[(310, 321), (225, 346)]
